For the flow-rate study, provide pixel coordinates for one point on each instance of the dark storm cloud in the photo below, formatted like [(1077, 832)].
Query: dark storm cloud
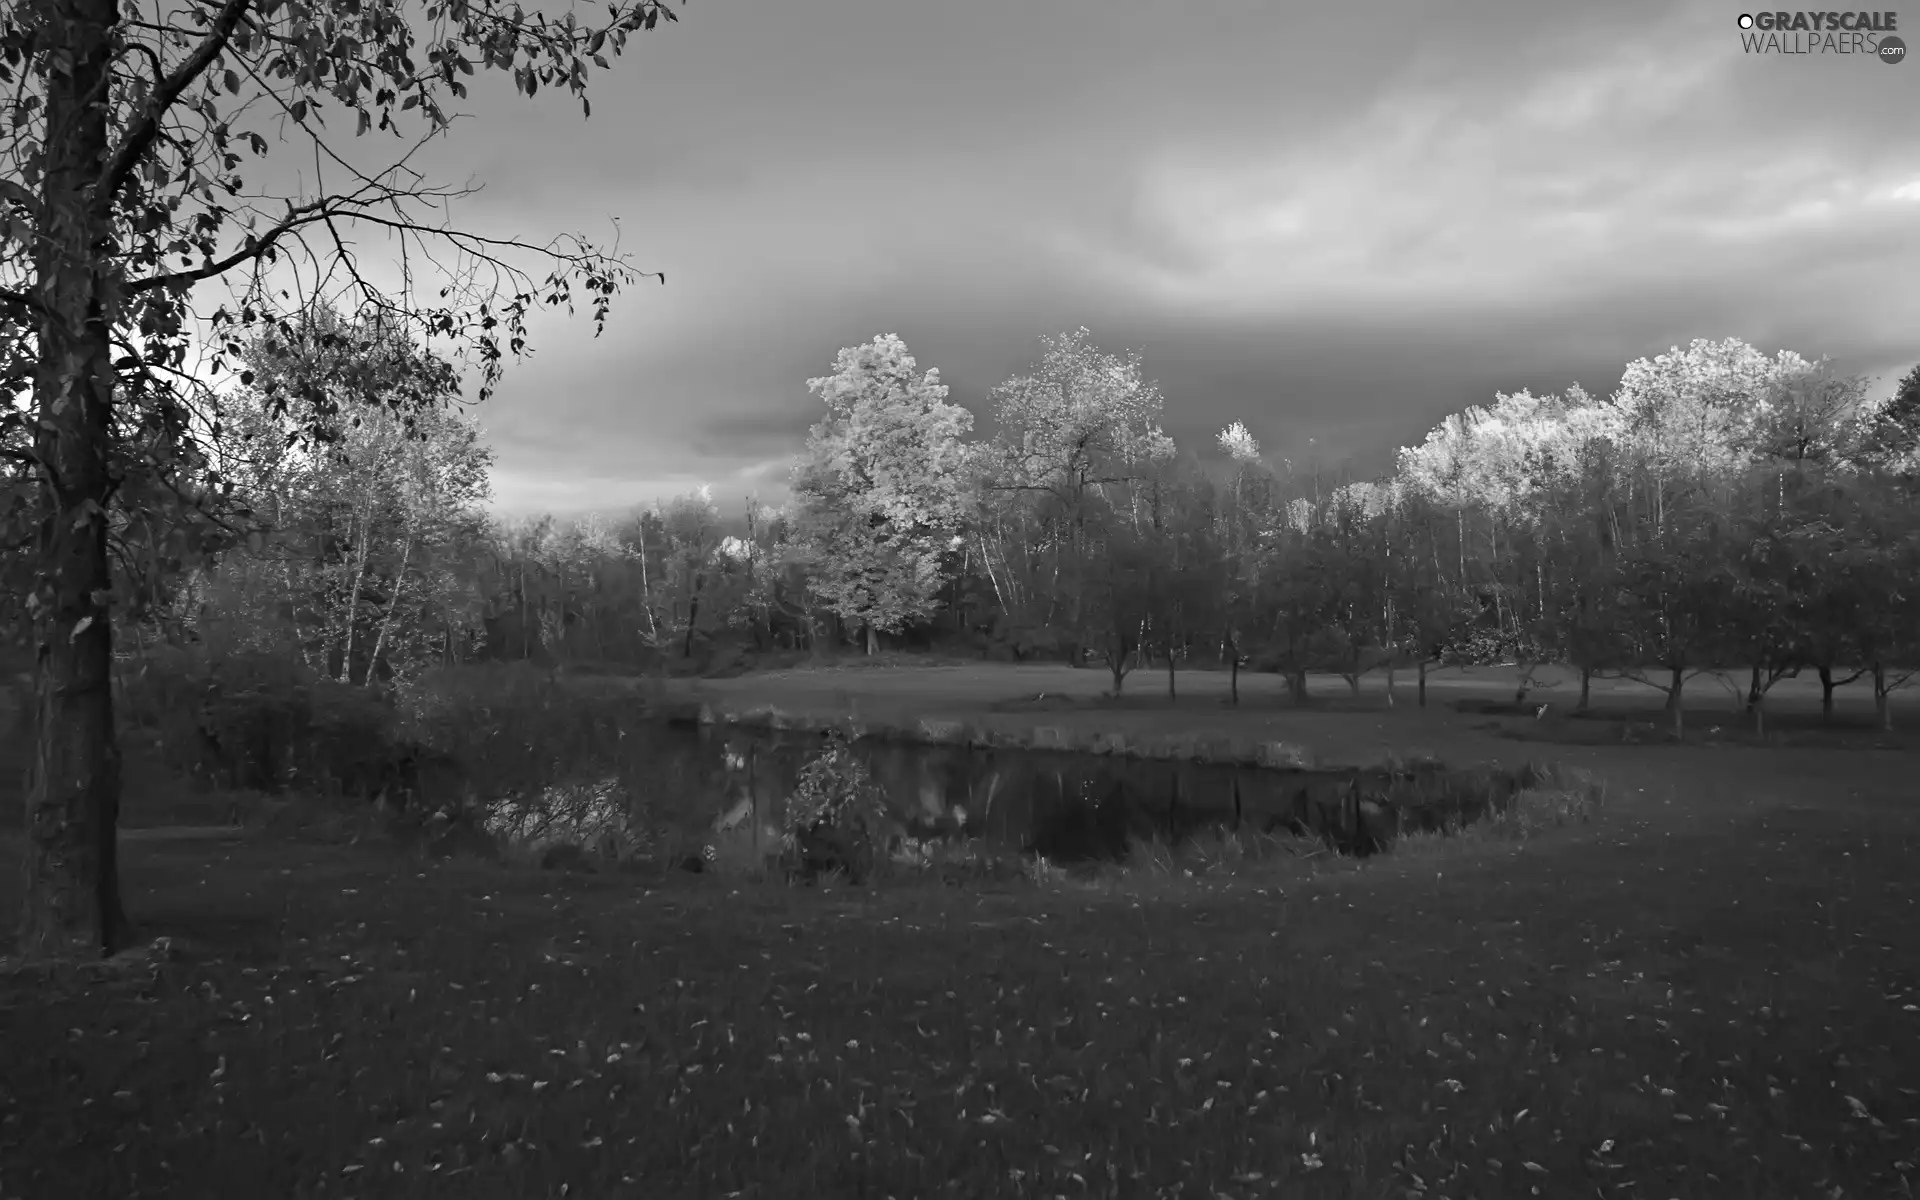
[(1336, 224)]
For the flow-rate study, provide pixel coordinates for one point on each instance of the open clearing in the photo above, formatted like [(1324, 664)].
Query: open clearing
[(1713, 991)]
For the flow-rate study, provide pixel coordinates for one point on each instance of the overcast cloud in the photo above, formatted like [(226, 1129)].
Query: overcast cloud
[(1336, 225)]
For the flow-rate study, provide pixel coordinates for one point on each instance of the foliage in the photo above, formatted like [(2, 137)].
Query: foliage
[(880, 490), (130, 187), (362, 558), (1551, 797), (262, 721), (594, 818), (837, 817)]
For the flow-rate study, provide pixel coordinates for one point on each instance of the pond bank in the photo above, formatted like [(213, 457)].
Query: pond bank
[(1047, 708), (1220, 748), (1230, 739)]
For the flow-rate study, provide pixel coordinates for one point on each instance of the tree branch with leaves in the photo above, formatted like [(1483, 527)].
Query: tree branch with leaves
[(128, 141)]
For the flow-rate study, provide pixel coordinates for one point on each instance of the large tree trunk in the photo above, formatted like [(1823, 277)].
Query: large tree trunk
[(1423, 682), (1233, 678), (1882, 698), (1170, 686), (71, 906), (873, 640), (1826, 695), (1586, 688)]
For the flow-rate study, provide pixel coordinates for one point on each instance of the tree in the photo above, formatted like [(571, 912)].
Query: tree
[(1358, 634), (1426, 604), (1244, 512), (1878, 562), (1298, 594), (366, 536), (121, 194), (1894, 429), (1077, 432), (1120, 590), (882, 487)]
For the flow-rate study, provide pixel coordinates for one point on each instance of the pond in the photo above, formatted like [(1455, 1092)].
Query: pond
[(1068, 806)]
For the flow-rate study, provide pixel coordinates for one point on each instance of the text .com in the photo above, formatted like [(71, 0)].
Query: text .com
[(1868, 34)]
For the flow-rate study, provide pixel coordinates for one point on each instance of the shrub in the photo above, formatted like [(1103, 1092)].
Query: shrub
[(837, 818), (1549, 797), (501, 751), (591, 821), (521, 729), (260, 720)]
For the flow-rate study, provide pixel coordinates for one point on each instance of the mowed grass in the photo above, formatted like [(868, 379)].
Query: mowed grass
[(1714, 991), (1339, 727)]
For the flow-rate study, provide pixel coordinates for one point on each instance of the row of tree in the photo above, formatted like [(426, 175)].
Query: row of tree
[(1721, 511)]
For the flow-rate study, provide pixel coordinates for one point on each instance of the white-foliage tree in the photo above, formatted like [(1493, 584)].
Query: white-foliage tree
[(1238, 444), (882, 488)]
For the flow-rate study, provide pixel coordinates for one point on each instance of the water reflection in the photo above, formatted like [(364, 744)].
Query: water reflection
[(735, 781)]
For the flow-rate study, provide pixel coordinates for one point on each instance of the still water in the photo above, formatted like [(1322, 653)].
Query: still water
[(1063, 804)]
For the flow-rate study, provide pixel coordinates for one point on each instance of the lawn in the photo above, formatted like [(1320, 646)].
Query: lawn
[(1338, 727), (1714, 991)]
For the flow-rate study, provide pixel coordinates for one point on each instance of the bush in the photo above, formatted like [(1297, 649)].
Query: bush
[(518, 727), (837, 818), (1549, 797), (589, 822), (505, 752), (261, 721)]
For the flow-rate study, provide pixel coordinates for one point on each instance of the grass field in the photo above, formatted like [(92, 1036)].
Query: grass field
[(1339, 727), (978, 684), (1713, 991)]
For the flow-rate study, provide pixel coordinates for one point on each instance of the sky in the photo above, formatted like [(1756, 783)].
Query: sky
[(1336, 223)]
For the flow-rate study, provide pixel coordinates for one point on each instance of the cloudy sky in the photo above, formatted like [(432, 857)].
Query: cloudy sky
[(1335, 222)]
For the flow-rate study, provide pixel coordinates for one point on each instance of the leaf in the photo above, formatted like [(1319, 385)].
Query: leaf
[(232, 80), (80, 627)]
